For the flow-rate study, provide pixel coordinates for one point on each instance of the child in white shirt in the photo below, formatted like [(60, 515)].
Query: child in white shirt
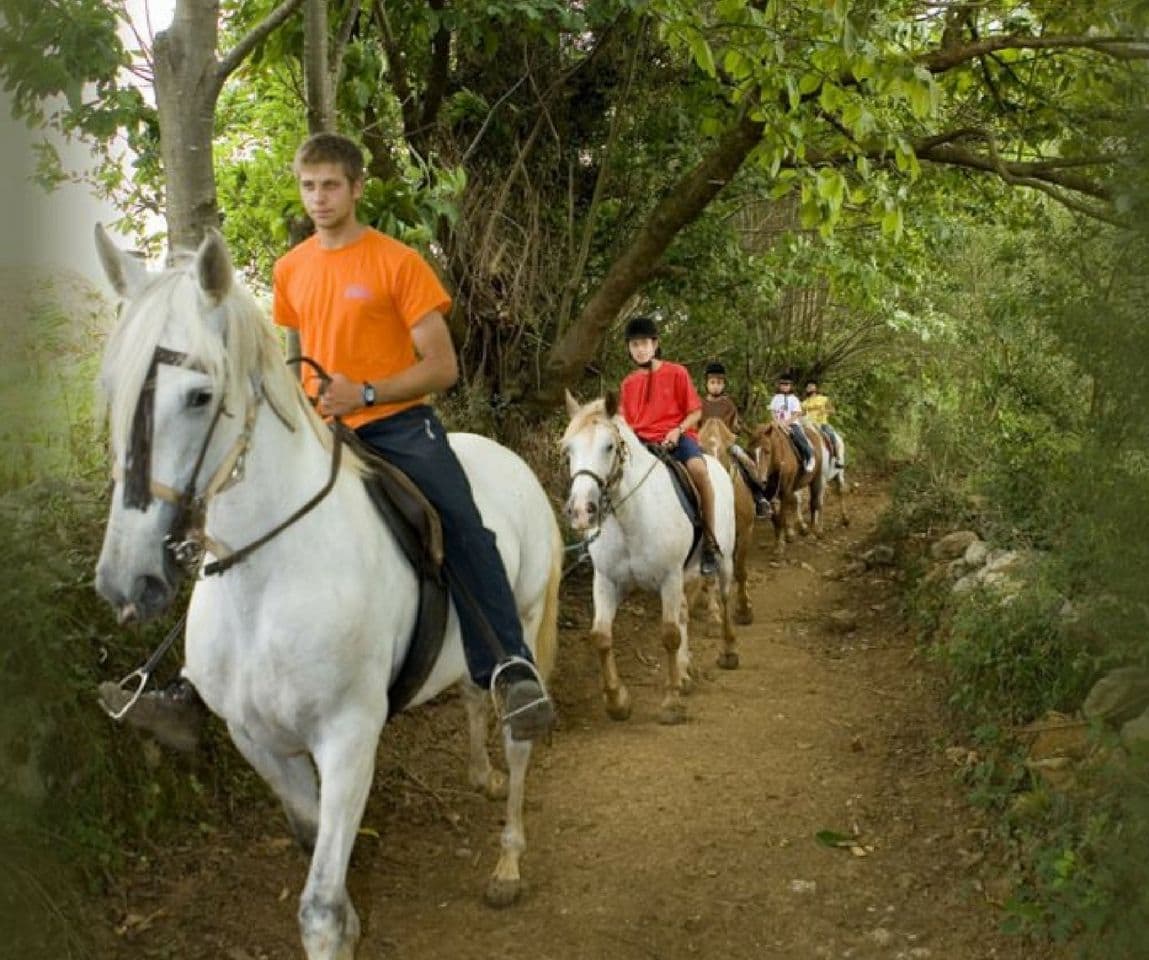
[(787, 411)]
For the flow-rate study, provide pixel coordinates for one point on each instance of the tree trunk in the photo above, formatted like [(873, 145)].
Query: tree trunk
[(320, 112), (677, 210), (187, 87)]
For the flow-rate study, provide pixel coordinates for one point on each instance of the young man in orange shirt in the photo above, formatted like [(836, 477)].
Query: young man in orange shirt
[(662, 407), (370, 311)]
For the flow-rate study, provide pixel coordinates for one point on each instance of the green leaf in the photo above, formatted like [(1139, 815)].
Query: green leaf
[(892, 222), (700, 51), (809, 82), (833, 839)]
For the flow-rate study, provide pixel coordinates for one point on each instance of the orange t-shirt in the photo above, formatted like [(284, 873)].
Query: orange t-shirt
[(354, 308)]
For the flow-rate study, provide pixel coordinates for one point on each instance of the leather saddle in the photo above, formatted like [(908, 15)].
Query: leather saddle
[(415, 524), (687, 492)]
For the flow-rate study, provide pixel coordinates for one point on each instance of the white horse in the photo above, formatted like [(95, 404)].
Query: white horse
[(295, 646), (833, 474), (642, 538)]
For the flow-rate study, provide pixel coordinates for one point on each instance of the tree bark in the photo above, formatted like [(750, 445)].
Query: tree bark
[(677, 210), (188, 80), (317, 77), (186, 92)]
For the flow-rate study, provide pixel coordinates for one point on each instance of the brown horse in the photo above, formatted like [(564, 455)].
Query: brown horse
[(778, 466), (715, 438)]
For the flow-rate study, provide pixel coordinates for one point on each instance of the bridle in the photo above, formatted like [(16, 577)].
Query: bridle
[(608, 486), (187, 539)]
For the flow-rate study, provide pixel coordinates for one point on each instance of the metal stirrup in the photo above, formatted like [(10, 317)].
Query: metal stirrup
[(500, 710)]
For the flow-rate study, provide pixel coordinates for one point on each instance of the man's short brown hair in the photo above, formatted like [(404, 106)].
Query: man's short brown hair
[(330, 148)]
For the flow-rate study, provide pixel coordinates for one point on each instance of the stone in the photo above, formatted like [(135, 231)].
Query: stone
[(1135, 733), (1006, 561), (953, 545), (1120, 695), (1057, 735), (844, 621), (976, 553), (880, 556)]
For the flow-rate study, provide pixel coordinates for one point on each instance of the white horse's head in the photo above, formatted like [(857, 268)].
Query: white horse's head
[(596, 454), (178, 377)]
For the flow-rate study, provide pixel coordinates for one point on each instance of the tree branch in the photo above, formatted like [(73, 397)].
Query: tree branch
[(680, 207), (234, 57), (1121, 48), (397, 71), (342, 38), (437, 76)]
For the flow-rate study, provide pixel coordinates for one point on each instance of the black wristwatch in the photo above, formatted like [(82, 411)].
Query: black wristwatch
[(368, 394)]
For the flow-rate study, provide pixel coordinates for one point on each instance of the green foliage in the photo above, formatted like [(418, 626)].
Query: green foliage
[(1088, 881), (78, 793), (1012, 661)]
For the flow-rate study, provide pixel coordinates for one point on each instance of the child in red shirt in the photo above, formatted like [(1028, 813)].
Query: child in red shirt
[(661, 406)]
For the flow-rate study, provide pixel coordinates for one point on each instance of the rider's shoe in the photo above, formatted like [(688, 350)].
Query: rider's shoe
[(521, 699), (762, 510), (173, 715)]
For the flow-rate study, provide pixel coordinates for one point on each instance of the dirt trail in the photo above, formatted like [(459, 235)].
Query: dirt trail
[(648, 841)]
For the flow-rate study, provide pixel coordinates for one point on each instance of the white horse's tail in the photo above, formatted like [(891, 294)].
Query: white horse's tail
[(546, 641)]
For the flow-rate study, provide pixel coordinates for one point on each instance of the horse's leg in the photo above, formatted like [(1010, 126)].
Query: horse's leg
[(505, 885), (790, 510), (606, 597), (345, 759), (728, 658), (817, 499), (675, 643), (685, 664), (292, 779), (840, 487), (480, 773), (743, 535), (796, 511), (780, 523)]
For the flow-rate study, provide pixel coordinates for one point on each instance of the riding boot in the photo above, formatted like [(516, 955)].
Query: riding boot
[(173, 715), (749, 472), (708, 562), (802, 443)]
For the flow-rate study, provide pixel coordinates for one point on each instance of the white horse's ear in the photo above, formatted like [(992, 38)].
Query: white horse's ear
[(213, 267), (572, 404), (125, 273), (610, 403)]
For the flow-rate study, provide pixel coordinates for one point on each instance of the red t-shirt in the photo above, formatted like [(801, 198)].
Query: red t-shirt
[(656, 402)]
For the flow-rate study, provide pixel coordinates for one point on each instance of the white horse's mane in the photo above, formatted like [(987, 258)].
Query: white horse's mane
[(233, 342)]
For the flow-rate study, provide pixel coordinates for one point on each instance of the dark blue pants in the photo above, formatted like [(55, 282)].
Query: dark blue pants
[(414, 440), (802, 442)]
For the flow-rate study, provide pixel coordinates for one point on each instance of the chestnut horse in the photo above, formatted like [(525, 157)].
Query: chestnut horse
[(715, 439), (778, 466)]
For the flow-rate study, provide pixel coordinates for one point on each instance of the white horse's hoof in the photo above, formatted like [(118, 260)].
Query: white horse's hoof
[(502, 893), (496, 786), (618, 706), (728, 660), (672, 714)]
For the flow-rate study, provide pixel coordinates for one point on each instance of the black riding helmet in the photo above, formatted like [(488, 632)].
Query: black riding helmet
[(641, 328), (715, 368)]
